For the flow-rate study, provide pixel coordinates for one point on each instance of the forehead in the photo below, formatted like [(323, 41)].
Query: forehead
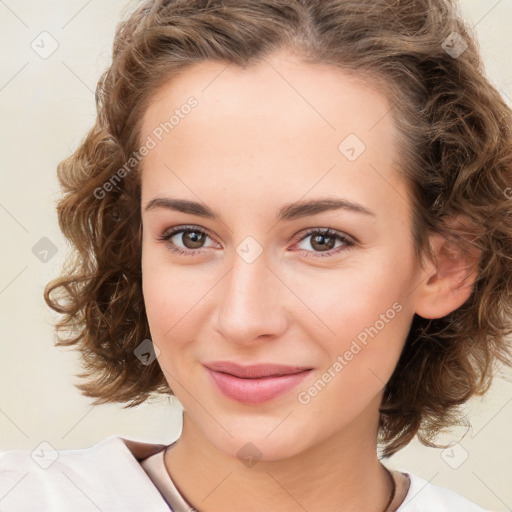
[(281, 122)]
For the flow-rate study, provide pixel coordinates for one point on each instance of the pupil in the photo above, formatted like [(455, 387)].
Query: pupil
[(194, 238), (323, 246)]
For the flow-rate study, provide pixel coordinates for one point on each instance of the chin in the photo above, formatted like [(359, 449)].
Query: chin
[(261, 444)]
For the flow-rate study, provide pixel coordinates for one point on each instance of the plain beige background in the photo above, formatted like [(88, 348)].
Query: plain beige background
[(47, 105)]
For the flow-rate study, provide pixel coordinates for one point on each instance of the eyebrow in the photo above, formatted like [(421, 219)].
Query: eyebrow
[(288, 212)]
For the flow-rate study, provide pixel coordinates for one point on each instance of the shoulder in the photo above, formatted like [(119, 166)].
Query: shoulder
[(106, 475), (426, 497)]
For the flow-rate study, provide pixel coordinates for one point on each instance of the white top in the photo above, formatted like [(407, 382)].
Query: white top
[(119, 474)]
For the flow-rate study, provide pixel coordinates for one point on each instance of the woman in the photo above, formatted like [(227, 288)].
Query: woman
[(294, 217)]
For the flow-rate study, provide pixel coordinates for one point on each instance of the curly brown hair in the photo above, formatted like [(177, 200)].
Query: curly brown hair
[(456, 157)]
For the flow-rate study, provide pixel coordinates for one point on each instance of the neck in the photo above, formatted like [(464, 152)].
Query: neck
[(339, 473)]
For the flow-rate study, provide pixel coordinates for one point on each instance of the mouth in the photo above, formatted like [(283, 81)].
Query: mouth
[(255, 384), (255, 371)]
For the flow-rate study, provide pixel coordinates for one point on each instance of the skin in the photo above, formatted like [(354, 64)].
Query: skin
[(258, 139)]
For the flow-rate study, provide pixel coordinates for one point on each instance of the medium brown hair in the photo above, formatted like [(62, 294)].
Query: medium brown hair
[(455, 155)]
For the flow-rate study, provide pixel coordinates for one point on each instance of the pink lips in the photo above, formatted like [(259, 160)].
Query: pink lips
[(255, 384)]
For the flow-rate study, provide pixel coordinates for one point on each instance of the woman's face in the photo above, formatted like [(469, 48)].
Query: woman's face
[(255, 281)]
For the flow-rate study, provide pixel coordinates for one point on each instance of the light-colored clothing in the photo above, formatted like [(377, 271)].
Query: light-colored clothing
[(119, 474)]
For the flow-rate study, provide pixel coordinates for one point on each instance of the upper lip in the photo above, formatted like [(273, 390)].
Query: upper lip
[(254, 370)]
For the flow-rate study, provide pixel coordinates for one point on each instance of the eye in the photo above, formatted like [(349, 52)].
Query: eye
[(324, 240), (191, 237)]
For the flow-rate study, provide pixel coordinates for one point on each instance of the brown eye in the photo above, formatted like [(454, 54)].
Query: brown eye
[(187, 240), (192, 239), (324, 241)]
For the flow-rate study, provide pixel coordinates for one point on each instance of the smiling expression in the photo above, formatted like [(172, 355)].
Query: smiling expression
[(299, 238)]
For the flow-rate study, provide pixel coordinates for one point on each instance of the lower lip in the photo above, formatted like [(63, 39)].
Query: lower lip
[(255, 391)]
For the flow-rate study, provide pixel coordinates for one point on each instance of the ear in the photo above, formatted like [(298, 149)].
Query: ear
[(447, 282)]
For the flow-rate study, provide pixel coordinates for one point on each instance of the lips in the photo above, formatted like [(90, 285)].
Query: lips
[(254, 384), (255, 371)]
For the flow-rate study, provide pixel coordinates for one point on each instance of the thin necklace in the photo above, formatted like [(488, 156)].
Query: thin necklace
[(393, 486)]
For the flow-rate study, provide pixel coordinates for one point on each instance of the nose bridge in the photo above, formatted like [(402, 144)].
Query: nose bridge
[(249, 306)]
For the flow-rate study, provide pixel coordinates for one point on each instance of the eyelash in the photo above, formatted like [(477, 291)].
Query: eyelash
[(348, 242)]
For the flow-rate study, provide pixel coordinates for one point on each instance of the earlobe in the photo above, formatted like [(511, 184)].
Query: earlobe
[(447, 282)]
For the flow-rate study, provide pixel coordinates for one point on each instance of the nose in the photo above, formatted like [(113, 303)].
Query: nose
[(252, 302)]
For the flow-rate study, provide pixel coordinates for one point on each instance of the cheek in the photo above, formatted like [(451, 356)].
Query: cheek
[(356, 297), (364, 317), (175, 298), (360, 359), (168, 294), (167, 311)]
